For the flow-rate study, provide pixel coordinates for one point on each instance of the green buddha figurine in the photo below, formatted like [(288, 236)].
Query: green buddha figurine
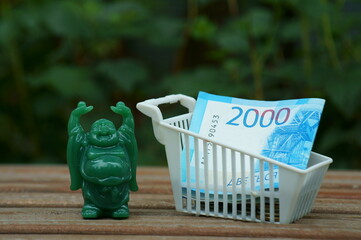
[(103, 162)]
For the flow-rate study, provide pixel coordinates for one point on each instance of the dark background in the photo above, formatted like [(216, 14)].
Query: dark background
[(55, 53)]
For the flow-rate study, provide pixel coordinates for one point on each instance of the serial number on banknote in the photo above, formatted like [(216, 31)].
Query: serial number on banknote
[(213, 127), (211, 133)]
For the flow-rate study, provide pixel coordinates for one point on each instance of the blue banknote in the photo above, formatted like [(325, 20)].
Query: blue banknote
[(282, 130)]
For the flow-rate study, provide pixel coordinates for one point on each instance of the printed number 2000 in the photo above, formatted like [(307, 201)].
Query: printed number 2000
[(270, 113)]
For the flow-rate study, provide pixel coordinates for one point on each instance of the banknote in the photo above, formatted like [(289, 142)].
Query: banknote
[(282, 130)]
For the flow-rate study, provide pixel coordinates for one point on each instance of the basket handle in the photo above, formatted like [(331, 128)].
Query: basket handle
[(151, 109)]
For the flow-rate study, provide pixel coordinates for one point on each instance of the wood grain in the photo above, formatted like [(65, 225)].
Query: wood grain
[(35, 203), (169, 222)]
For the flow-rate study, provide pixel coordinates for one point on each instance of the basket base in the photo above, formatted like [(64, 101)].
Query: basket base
[(247, 208)]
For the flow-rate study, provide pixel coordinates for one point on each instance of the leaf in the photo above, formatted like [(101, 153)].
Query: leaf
[(290, 30), (331, 138), (202, 28), (201, 79), (205, 2), (310, 8), (337, 135), (5, 120), (165, 32), (345, 91), (126, 74), (127, 18), (233, 36), (8, 30), (63, 20), (124, 11), (46, 104), (260, 22), (236, 69), (29, 19), (285, 72), (91, 9), (68, 81)]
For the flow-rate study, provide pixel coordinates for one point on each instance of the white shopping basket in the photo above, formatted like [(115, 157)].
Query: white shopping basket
[(263, 201)]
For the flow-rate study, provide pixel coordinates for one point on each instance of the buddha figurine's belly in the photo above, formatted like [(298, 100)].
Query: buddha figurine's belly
[(106, 169)]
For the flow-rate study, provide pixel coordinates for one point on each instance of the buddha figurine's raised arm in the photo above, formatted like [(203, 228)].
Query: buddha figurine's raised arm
[(74, 148), (126, 132)]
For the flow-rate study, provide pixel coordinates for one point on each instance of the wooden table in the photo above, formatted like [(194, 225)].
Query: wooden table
[(36, 203)]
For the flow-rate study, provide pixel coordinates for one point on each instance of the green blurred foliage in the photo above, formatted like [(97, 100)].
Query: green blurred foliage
[(55, 53)]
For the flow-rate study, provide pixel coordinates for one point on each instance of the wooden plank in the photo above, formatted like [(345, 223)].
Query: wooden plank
[(54, 187), (61, 200), (63, 188), (153, 175), (50, 179), (60, 173), (36, 200), (153, 188), (101, 236), (342, 180), (151, 180), (340, 193), (155, 201), (344, 184), (172, 223), (336, 206), (343, 174)]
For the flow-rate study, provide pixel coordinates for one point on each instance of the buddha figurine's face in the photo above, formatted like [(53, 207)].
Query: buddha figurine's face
[(103, 134)]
